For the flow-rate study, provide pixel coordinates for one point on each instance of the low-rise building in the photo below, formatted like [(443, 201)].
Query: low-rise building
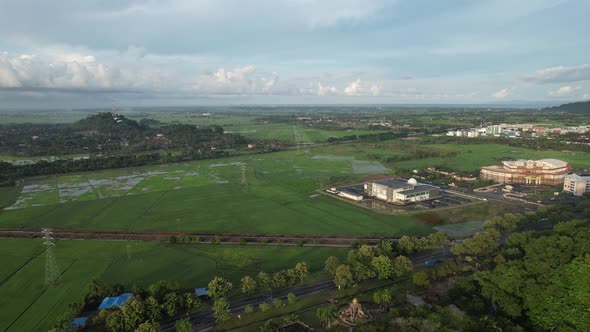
[(576, 184), (401, 190), (353, 195), (531, 172), (495, 129)]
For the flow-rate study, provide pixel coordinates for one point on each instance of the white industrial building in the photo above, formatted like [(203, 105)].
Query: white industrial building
[(401, 190)]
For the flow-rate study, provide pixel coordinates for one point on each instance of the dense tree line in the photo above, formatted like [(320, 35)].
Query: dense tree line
[(538, 280), (534, 281), (263, 282), (12, 171), (368, 137), (141, 312), (107, 133), (365, 263), (543, 279)]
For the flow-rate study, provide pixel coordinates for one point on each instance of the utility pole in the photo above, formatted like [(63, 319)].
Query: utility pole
[(51, 270)]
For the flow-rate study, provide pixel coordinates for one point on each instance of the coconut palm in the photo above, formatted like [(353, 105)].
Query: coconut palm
[(326, 315)]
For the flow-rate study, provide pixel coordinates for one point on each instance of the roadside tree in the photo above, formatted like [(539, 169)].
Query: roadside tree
[(302, 271), (248, 285), (402, 265), (343, 276), (221, 310), (383, 266), (219, 287), (331, 264)]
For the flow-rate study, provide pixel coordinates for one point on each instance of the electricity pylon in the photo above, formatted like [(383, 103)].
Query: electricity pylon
[(51, 270)]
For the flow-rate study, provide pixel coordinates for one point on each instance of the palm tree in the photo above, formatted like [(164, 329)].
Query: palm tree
[(326, 315), (377, 298), (386, 298), (382, 298)]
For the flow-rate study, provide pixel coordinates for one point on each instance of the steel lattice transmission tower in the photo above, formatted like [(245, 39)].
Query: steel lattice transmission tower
[(51, 270), (243, 169)]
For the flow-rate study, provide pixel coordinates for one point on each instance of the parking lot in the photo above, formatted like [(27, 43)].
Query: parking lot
[(447, 199)]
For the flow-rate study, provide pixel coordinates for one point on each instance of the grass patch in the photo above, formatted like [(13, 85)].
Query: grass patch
[(8, 196)]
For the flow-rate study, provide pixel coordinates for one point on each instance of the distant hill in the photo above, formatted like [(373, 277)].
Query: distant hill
[(582, 107), (107, 122)]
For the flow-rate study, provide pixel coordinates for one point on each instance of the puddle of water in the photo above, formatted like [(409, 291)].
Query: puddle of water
[(74, 192), (367, 167), (32, 188), (332, 157), (155, 173), (235, 163)]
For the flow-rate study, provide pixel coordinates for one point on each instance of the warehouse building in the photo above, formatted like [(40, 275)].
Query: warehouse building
[(401, 190)]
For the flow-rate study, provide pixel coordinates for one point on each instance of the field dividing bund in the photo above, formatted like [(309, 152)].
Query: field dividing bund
[(30, 305), (196, 238)]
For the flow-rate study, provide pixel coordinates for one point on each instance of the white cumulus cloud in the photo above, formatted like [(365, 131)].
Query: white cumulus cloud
[(28, 71), (238, 81), (564, 91), (326, 90), (561, 74), (502, 94), (359, 88), (353, 89)]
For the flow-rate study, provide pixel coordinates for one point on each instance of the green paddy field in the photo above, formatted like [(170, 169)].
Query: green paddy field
[(271, 193), (30, 305), (268, 193)]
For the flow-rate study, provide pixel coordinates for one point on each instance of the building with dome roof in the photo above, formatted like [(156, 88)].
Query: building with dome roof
[(531, 172), (403, 191)]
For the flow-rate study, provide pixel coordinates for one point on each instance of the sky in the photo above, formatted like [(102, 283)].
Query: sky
[(72, 53)]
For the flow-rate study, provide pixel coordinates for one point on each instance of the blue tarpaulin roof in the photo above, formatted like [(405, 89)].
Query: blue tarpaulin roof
[(78, 322), (201, 291), (116, 301)]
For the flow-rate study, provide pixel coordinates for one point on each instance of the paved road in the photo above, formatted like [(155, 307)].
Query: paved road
[(204, 320)]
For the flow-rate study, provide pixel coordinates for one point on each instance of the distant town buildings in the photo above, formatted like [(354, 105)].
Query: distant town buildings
[(518, 130), (401, 190), (531, 172), (576, 184), (452, 175)]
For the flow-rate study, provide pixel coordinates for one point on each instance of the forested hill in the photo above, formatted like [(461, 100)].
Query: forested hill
[(106, 123), (106, 133), (582, 107)]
